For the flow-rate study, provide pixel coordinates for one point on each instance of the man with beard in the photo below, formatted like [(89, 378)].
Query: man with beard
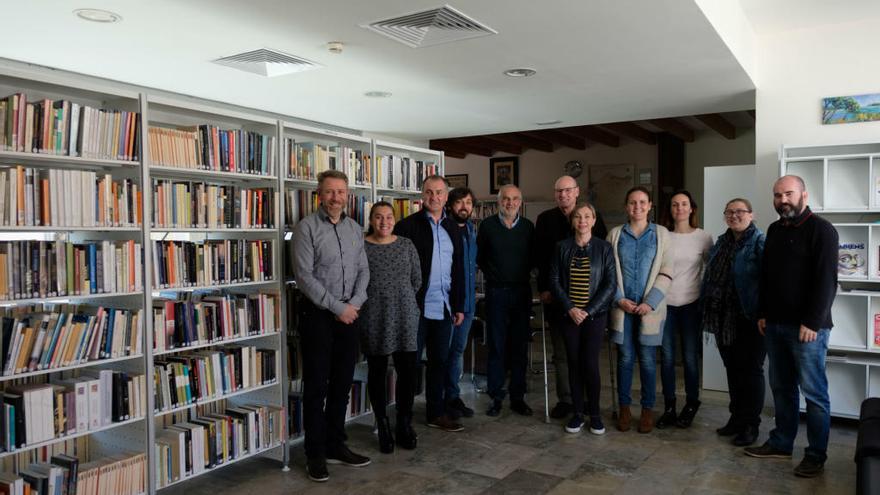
[(332, 271), (460, 206), (438, 241), (551, 227), (797, 288), (505, 254)]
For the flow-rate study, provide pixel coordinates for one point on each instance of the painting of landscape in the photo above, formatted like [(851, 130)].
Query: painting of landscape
[(849, 109)]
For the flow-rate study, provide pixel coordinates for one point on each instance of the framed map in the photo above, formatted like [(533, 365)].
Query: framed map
[(608, 185)]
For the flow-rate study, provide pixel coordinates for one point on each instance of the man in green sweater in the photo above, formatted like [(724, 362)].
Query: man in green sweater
[(505, 255)]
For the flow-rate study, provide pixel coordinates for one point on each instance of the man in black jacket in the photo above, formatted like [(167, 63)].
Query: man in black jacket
[(551, 227), (797, 287), (438, 241)]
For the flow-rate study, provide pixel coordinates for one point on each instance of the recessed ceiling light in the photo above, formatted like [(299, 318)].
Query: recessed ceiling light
[(97, 15), (520, 72), (377, 94), (549, 122)]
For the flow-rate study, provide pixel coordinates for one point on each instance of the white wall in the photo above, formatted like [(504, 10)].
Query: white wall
[(796, 69), (712, 150)]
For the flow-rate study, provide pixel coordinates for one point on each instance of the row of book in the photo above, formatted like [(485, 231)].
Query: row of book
[(210, 439), (30, 269), (403, 207), (67, 198), (306, 160), (213, 319), (39, 412), (401, 172), (186, 204), (184, 379), (57, 339), (65, 475), (63, 127), (178, 264), (207, 147)]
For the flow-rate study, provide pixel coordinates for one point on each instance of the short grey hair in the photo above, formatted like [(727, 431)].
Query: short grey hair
[(506, 187), (331, 174)]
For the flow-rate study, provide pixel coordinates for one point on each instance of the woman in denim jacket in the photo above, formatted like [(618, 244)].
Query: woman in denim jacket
[(730, 301), (583, 281)]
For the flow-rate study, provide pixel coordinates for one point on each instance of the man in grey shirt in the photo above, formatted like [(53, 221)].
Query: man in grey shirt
[(331, 270)]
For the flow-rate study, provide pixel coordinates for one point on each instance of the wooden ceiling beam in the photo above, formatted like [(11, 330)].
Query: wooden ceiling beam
[(492, 144), (524, 141), (444, 144), (751, 114), (559, 137), (675, 127), (719, 124), (453, 153), (595, 133), (632, 131)]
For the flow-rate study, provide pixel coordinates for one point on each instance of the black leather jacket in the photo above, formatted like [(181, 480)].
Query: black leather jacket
[(603, 275)]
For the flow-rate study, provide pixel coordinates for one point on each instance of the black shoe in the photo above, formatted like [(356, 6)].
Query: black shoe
[(729, 429), (317, 470), (669, 417), (809, 468), (406, 435), (452, 413), (459, 406), (766, 451), (344, 455), (686, 417), (746, 437), (445, 424), (561, 410), (520, 407), (494, 409), (386, 440)]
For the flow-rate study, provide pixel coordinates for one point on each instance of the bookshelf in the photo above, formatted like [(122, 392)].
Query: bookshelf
[(843, 182), (400, 171), (201, 155), (68, 204)]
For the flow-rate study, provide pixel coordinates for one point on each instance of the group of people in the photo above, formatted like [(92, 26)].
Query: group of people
[(408, 288)]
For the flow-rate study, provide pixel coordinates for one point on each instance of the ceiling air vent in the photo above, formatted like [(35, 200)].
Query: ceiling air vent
[(430, 27), (268, 63)]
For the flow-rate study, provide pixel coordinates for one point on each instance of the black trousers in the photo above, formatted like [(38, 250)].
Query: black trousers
[(329, 351), (404, 388), (582, 345), (744, 363)]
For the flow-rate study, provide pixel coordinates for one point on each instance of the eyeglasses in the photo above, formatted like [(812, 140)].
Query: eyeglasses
[(739, 213), (565, 190)]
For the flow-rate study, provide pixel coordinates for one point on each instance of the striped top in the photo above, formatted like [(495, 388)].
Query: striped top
[(579, 287)]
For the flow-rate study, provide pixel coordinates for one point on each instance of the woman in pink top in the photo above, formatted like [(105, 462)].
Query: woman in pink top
[(690, 247)]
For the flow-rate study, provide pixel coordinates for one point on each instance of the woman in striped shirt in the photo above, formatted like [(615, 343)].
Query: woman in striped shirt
[(583, 280)]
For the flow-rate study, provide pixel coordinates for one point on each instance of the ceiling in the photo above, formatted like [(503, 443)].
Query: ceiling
[(597, 61)]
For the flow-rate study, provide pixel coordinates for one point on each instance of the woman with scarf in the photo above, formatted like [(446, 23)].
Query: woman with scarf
[(730, 300)]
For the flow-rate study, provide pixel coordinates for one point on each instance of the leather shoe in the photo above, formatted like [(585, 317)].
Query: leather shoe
[(561, 410), (728, 430), (646, 421), (520, 407), (746, 437), (494, 409), (624, 419)]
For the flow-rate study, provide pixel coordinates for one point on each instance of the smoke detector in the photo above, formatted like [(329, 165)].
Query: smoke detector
[(268, 62)]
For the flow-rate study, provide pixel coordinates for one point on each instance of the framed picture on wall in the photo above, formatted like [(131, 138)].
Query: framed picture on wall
[(457, 180), (503, 171)]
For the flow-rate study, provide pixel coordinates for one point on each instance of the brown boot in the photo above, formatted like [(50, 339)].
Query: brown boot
[(624, 419), (646, 422)]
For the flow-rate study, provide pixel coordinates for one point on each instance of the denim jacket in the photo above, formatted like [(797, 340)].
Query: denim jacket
[(746, 270)]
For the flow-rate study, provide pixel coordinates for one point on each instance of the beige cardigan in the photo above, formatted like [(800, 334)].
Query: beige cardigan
[(659, 279)]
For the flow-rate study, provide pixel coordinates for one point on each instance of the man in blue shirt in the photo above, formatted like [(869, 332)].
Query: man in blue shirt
[(438, 240), (460, 206)]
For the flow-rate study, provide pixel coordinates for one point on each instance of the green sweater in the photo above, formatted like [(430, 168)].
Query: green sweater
[(506, 256)]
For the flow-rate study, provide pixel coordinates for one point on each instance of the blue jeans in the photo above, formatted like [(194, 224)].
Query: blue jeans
[(456, 356), (434, 335), (683, 321), (626, 356), (793, 363), (507, 310)]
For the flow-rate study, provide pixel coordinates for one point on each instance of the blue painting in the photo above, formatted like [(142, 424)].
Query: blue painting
[(849, 109)]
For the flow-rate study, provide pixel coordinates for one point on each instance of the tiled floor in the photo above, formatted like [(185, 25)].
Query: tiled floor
[(512, 454)]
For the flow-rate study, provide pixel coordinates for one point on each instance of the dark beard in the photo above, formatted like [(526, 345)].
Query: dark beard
[(790, 211), (459, 218)]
